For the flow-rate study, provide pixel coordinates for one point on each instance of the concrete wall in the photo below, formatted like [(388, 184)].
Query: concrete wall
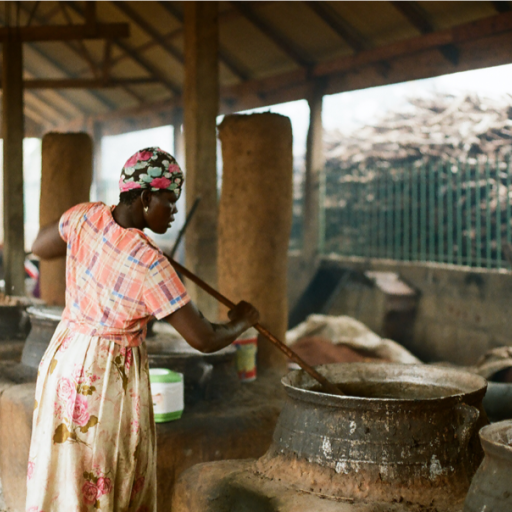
[(462, 312)]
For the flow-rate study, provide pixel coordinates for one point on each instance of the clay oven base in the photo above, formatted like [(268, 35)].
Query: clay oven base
[(235, 485)]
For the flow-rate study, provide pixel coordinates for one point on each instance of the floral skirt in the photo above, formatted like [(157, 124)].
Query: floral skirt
[(93, 442)]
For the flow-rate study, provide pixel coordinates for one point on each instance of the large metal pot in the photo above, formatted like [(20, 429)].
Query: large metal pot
[(491, 488), (406, 433), (206, 376), (14, 321), (43, 321)]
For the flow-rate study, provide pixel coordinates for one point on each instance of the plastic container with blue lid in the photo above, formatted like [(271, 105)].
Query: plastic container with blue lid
[(167, 392)]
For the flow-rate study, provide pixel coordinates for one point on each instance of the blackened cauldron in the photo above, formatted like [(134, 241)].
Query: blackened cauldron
[(406, 433)]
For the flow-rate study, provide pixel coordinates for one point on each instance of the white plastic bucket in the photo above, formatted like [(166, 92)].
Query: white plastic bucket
[(167, 392)]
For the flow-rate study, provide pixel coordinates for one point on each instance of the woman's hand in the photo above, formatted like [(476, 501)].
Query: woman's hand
[(245, 313), (206, 336)]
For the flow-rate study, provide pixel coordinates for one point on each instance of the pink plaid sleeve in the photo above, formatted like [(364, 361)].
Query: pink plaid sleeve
[(70, 219), (163, 292)]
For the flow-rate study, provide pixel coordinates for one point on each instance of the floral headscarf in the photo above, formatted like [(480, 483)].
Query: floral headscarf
[(152, 169)]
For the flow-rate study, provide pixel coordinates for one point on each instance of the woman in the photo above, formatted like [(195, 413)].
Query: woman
[(93, 438)]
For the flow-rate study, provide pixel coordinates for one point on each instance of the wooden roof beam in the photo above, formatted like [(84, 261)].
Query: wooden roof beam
[(355, 39), (420, 19), (413, 58), (67, 33), (81, 46), (84, 83), (43, 54), (44, 108), (502, 6), (106, 103), (41, 19), (228, 60), (480, 29), (143, 63), (129, 12), (287, 46)]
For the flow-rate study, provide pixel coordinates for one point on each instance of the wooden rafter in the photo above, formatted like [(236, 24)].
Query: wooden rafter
[(39, 96), (41, 19), (39, 102), (420, 19), (32, 13), (465, 33), (107, 61), (287, 46), (84, 83), (224, 55), (43, 98), (140, 49), (130, 13), (143, 63), (355, 39), (80, 44), (104, 101), (67, 33), (502, 6)]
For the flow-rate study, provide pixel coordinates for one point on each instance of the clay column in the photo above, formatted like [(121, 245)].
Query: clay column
[(66, 177), (201, 101), (255, 217), (12, 129), (314, 167)]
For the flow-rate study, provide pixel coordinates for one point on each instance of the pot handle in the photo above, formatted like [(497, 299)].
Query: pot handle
[(25, 325), (468, 417)]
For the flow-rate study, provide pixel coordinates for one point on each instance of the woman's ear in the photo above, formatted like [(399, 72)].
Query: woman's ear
[(145, 198)]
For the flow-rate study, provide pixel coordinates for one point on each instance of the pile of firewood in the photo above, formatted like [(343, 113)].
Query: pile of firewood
[(445, 141), (443, 127)]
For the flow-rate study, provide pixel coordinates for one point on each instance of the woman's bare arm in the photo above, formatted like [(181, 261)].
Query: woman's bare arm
[(206, 336), (48, 243)]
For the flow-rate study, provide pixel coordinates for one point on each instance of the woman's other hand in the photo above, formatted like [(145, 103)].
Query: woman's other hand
[(244, 312)]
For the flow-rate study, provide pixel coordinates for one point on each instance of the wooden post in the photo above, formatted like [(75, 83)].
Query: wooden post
[(178, 138), (201, 101), (314, 166), (97, 137), (12, 128)]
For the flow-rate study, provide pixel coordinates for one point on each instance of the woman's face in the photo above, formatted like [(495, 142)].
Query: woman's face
[(161, 211)]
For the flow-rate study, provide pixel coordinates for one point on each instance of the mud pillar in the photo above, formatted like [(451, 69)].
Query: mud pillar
[(12, 129), (66, 177), (255, 220), (314, 167), (201, 101)]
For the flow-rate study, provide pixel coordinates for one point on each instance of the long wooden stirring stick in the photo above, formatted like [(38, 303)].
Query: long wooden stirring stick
[(326, 385)]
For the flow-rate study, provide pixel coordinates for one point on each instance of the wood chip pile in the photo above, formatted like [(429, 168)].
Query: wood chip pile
[(444, 126), (429, 161)]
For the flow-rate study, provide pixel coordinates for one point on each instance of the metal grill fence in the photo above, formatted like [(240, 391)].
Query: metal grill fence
[(439, 211)]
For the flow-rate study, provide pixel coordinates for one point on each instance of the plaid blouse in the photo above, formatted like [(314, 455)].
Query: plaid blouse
[(116, 278)]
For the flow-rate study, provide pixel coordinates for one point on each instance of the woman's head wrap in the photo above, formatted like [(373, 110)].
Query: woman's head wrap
[(151, 169)]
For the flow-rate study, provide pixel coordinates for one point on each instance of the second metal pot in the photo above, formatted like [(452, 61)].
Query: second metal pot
[(491, 488)]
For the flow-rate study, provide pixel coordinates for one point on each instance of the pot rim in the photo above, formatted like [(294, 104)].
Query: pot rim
[(46, 312), (478, 387), (491, 442)]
